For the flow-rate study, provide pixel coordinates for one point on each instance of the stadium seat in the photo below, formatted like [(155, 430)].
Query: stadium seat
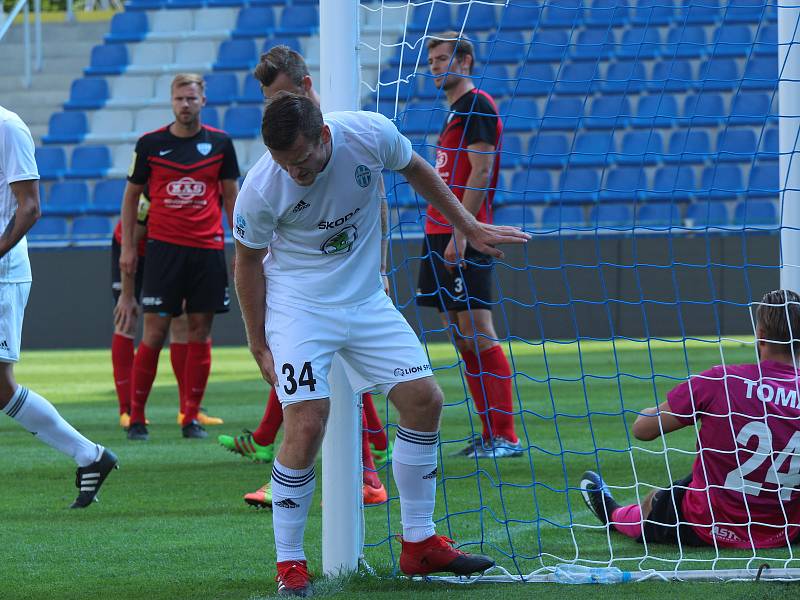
[(563, 113), (659, 216), (766, 41), (128, 26), (408, 223), (548, 150), (87, 93), (419, 118), (594, 44), (624, 77), (747, 11), (612, 215), (89, 162), (760, 214), (408, 56), (577, 78), (672, 184), (236, 55), (209, 116), (91, 229), (701, 12), (243, 122), (719, 74), (687, 41), (282, 40), (764, 181), (732, 40), (251, 91), (52, 162), (769, 145), (704, 110), (705, 214), (516, 15), (255, 21), (66, 128), (299, 20), (656, 111), (135, 5), (609, 112), (640, 42), (433, 17), (221, 88), (736, 145), (519, 115), (426, 87), (653, 12), (560, 216), (671, 76), (48, 229), (532, 186), (535, 79), (751, 108), (607, 13), (108, 59), (641, 148), (549, 46), (107, 197), (688, 147), (579, 185), (721, 182), (185, 4), (511, 152), (67, 198), (594, 148), (481, 17), (624, 184), (493, 80), (562, 14), (760, 73), (514, 214)]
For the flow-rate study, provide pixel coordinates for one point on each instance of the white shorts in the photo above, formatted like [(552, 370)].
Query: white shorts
[(373, 338), (13, 298)]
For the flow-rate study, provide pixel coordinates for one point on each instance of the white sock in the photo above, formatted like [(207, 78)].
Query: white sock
[(292, 491), (41, 418), (414, 468)]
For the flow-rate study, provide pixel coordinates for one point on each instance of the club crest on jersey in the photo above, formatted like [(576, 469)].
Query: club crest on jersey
[(186, 188), (363, 175), (204, 148), (341, 242)]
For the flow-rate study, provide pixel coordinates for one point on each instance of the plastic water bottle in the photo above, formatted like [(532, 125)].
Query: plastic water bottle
[(580, 574)]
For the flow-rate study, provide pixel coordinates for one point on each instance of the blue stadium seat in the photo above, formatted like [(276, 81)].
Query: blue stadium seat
[(89, 162), (594, 148), (686, 41), (607, 13), (563, 14), (659, 216), (389, 79), (426, 88), (654, 12), (514, 214), (107, 198), (251, 91), (688, 146), (641, 148), (671, 76), (747, 11), (579, 184), (701, 12), (431, 17), (736, 145), (299, 20), (108, 59), (243, 122), (672, 184), (532, 186), (518, 15), (254, 21), (519, 115), (719, 74), (52, 162), (236, 55), (66, 128), (759, 214), (511, 152), (764, 181), (67, 198), (48, 229), (732, 40), (562, 216), (186, 4), (402, 195), (704, 215), (624, 184), (640, 42), (721, 182), (769, 145), (535, 79), (128, 27), (612, 215), (751, 108), (282, 40), (594, 44), (548, 150), (422, 118), (760, 73), (624, 77), (481, 17), (409, 222), (656, 111), (549, 46), (493, 80), (510, 47), (766, 41), (87, 93), (91, 229), (577, 78), (609, 112), (221, 88), (209, 116), (134, 5), (562, 113), (705, 109)]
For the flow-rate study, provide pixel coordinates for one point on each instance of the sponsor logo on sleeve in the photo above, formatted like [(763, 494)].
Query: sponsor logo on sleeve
[(240, 224)]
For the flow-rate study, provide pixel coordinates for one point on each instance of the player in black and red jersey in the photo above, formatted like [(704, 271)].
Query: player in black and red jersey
[(455, 278), (190, 171)]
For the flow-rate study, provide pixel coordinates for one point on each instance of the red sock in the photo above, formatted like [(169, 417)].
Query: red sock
[(270, 422), (370, 474), (177, 356), (472, 371), (145, 365), (198, 366), (377, 434), (499, 390), (122, 364), (628, 520)]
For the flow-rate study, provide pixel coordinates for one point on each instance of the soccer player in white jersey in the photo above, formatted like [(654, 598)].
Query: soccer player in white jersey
[(19, 210), (307, 230)]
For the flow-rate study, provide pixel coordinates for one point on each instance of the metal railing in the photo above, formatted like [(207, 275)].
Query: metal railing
[(23, 6)]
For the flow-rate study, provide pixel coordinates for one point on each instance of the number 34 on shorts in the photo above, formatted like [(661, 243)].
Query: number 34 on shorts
[(297, 378)]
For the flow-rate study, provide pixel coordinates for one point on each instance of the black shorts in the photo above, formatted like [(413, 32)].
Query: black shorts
[(459, 289), (666, 524), (175, 274), (116, 275)]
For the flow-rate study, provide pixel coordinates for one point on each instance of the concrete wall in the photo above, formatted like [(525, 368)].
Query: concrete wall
[(553, 288)]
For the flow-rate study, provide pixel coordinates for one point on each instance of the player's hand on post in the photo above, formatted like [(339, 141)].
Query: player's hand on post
[(385, 279), (126, 314), (266, 363), (485, 237), (127, 261), (455, 252)]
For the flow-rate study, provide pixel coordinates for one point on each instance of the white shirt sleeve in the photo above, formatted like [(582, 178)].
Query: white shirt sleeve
[(394, 148), (17, 152), (253, 219)]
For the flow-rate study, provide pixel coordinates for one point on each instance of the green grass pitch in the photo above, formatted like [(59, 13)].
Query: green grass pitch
[(171, 522)]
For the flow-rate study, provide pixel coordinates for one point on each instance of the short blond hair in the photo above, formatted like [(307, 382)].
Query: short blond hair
[(182, 79)]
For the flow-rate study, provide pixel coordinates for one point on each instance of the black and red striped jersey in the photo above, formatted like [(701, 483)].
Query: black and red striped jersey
[(183, 177)]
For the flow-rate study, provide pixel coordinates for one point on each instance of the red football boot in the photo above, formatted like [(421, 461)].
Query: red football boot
[(437, 555)]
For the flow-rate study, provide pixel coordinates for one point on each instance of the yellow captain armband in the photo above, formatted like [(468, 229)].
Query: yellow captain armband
[(143, 211)]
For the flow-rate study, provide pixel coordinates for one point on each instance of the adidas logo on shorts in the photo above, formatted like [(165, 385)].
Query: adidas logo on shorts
[(287, 503), (432, 474), (302, 205), (4, 346)]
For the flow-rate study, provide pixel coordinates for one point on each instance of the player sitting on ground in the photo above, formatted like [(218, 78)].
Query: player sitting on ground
[(742, 490)]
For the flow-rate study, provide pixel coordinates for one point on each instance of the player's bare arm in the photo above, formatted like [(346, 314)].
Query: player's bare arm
[(251, 291), (28, 212), (130, 207), (482, 236), (127, 309), (655, 421)]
